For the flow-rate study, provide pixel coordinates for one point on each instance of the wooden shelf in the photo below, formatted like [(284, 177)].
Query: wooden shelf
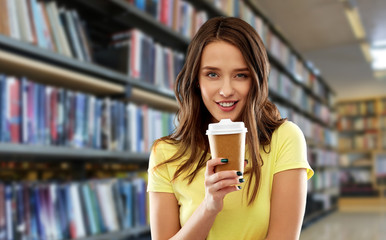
[(53, 75), (362, 204), (122, 234), (27, 152), (347, 151)]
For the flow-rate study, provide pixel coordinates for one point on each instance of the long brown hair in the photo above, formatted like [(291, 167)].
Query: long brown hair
[(260, 116)]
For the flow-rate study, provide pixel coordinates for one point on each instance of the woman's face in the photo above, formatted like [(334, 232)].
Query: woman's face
[(224, 80)]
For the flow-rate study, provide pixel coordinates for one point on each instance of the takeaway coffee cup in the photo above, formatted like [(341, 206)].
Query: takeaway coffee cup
[(227, 140)]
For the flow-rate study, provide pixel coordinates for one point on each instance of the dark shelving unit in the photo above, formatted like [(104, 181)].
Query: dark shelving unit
[(123, 234), (54, 153)]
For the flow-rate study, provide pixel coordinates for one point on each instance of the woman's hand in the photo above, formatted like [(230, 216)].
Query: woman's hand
[(218, 185)]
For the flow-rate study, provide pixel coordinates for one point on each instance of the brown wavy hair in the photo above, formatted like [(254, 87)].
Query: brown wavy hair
[(261, 117)]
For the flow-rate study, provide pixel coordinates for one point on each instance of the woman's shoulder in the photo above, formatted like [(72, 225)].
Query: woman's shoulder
[(288, 129), (166, 146), (288, 126)]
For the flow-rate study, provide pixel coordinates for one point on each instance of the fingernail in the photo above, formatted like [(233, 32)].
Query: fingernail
[(224, 160), (239, 187), (241, 180), (239, 173)]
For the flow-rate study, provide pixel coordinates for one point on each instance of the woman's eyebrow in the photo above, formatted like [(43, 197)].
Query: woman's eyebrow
[(215, 68), (209, 68)]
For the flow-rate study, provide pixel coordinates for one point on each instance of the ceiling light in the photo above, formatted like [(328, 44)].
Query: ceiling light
[(354, 19), (366, 51), (378, 53)]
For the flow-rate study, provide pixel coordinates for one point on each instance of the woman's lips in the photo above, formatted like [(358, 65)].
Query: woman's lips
[(227, 106)]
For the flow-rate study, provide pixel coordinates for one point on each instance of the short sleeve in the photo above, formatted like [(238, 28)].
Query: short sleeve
[(158, 177), (291, 149)]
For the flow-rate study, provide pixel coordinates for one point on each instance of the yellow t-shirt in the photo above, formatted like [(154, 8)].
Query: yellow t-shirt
[(237, 220)]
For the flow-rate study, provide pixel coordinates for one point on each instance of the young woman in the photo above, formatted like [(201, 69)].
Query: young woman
[(226, 76)]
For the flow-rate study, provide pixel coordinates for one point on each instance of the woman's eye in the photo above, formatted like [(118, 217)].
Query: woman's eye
[(212, 75), (242, 75)]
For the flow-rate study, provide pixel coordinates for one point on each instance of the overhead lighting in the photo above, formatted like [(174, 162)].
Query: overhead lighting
[(365, 47), (354, 19), (352, 14), (378, 53)]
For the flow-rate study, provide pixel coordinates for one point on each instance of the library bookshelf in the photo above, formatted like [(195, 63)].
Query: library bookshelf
[(361, 126), (88, 29)]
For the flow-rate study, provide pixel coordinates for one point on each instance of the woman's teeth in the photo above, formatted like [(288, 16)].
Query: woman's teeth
[(226, 104)]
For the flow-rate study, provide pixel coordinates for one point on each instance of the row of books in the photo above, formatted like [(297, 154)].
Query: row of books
[(318, 157), (137, 55), (45, 24), (355, 175), (179, 15), (51, 210), (355, 159), (32, 113), (323, 180), (366, 141), (299, 70), (281, 84), (311, 130), (358, 124), (362, 108)]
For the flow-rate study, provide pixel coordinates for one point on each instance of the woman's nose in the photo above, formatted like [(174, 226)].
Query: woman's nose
[(226, 89)]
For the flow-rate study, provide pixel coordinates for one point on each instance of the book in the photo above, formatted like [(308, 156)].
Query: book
[(63, 215), (82, 36), (105, 196), (13, 20), (20, 228), (24, 21), (140, 212), (106, 124), (127, 194), (4, 18), (5, 133), (90, 212), (8, 211), (38, 23), (2, 212), (96, 205), (73, 36), (78, 220), (68, 37), (13, 116), (47, 31), (58, 28)]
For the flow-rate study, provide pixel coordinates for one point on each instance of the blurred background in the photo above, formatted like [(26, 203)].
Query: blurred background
[(86, 86)]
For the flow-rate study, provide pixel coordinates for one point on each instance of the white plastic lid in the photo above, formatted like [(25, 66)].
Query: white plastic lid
[(226, 126)]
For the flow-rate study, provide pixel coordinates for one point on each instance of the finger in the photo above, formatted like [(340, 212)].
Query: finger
[(245, 163), (212, 163), (223, 192), (219, 186), (219, 176)]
